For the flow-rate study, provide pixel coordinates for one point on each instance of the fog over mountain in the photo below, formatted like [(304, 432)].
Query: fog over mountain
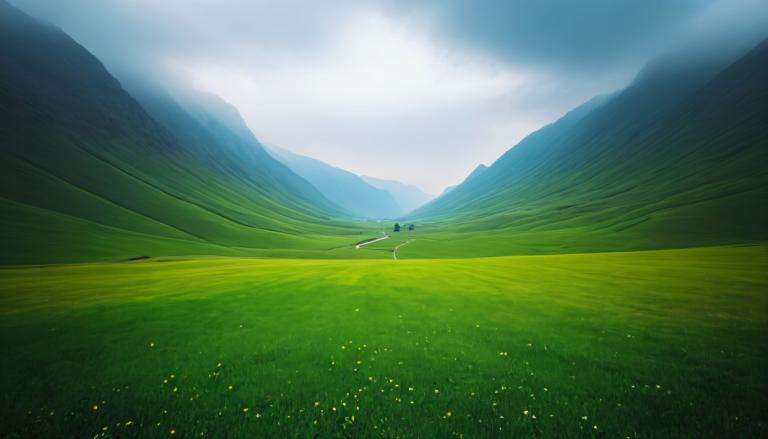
[(420, 92)]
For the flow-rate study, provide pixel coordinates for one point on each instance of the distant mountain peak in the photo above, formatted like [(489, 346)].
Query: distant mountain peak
[(408, 196), (476, 172), (342, 187)]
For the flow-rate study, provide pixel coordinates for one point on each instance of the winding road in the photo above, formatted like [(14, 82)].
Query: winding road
[(394, 252), (372, 241)]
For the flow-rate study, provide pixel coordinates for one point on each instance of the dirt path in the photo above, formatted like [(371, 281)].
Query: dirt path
[(372, 241), (394, 252)]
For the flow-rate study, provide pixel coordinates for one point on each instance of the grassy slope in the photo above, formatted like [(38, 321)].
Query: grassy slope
[(35, 202), (666, 343), (675, 160), (214, 132), (86, 174)]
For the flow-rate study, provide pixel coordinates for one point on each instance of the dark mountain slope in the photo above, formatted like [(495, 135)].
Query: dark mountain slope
[(86, 173)]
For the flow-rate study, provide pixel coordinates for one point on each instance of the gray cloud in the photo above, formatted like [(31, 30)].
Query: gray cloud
[(574, 34), (587, 36)]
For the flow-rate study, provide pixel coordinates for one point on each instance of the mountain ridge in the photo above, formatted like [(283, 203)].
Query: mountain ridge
[(629, 169)]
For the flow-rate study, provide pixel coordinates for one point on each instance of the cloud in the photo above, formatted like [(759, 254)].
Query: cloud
[(586, 36), (381, 100), (420, 91)]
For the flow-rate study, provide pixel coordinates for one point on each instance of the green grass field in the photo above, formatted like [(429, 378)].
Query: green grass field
[(645, 344)]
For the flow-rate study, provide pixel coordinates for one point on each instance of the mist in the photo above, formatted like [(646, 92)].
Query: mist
[(420, 92)]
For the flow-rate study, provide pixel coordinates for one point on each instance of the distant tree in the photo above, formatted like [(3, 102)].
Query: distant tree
[(397, 227), (411, 227)]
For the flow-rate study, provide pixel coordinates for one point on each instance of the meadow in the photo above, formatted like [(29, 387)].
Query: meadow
[(667, 343)]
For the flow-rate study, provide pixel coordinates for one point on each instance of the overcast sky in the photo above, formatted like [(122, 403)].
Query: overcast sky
[(417, 91)]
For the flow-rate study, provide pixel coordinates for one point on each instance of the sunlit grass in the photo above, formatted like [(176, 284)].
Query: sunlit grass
[(664, 344)]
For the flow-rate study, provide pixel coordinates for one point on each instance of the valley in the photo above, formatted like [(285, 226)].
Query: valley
[(164, 273)]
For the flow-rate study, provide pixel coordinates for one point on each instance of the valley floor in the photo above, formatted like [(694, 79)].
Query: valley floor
[(661, 343)]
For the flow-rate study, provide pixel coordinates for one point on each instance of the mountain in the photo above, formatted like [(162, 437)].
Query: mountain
[(674, 160), (479, 169), (408, 197), (87, 172), (475, 173), (214, 130), (341, 187), (448, 189)]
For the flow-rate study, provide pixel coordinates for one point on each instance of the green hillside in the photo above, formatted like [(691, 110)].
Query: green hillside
[(86, 173), (344, 188), (213, 130), (675, 160)]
